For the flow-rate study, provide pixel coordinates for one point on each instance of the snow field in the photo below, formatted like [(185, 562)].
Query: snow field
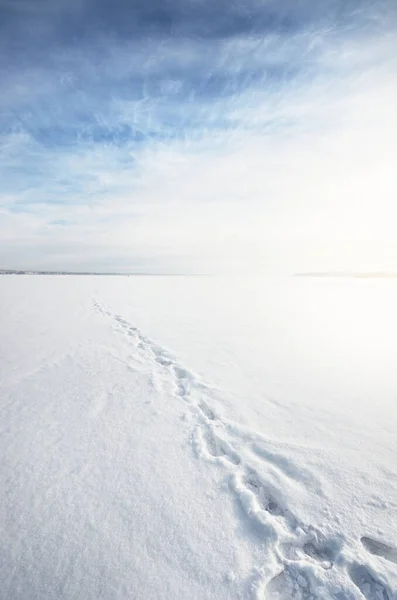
[(309, 564), (126, 474)]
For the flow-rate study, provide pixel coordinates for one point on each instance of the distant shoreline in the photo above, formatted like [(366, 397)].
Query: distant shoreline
[(369, 275), (313, 275), (91, 273)]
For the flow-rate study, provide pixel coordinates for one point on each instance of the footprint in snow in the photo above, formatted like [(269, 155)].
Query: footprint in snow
[(289, 585), (264, 498), (315, 549), (370, 587), (321, 553), (183, 381), (320, 548), (207, 411), (218, 448), (380, 549), (163, 360), (122, 321), (181, 373)]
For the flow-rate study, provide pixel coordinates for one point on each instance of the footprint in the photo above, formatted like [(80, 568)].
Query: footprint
[(122, 321), (183, 381), (130, 332), (369, 586), (207, 411), (265, 499), (219, 448), (321, 549), (163, 360), (321, 554), (380, 549), (182, 390), (289, 585), (181, 373)]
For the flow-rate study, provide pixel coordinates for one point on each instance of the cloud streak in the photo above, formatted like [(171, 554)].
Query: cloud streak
[(187, 137)]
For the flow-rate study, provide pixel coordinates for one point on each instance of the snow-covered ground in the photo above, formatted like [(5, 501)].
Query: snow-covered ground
[(198, 438)]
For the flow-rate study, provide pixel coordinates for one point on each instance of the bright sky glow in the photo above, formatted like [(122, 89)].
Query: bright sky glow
[(193, 136)]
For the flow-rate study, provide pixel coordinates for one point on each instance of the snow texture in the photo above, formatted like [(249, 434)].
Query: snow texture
[(126, 474)]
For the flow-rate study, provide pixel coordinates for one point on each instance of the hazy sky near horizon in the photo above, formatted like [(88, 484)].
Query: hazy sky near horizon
[(198, 135)]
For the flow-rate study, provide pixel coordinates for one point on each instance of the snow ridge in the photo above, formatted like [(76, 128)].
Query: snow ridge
[(299, 562)]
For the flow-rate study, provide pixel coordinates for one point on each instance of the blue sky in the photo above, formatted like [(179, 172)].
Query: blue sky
[(191, 136)]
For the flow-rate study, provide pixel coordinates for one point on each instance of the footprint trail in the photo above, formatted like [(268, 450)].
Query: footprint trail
[(307, 560)]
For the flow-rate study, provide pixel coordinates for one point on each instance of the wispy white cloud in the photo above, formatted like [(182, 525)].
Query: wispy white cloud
[(254, 150)]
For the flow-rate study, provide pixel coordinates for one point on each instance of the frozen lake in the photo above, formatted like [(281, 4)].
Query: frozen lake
[(198, 437)]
